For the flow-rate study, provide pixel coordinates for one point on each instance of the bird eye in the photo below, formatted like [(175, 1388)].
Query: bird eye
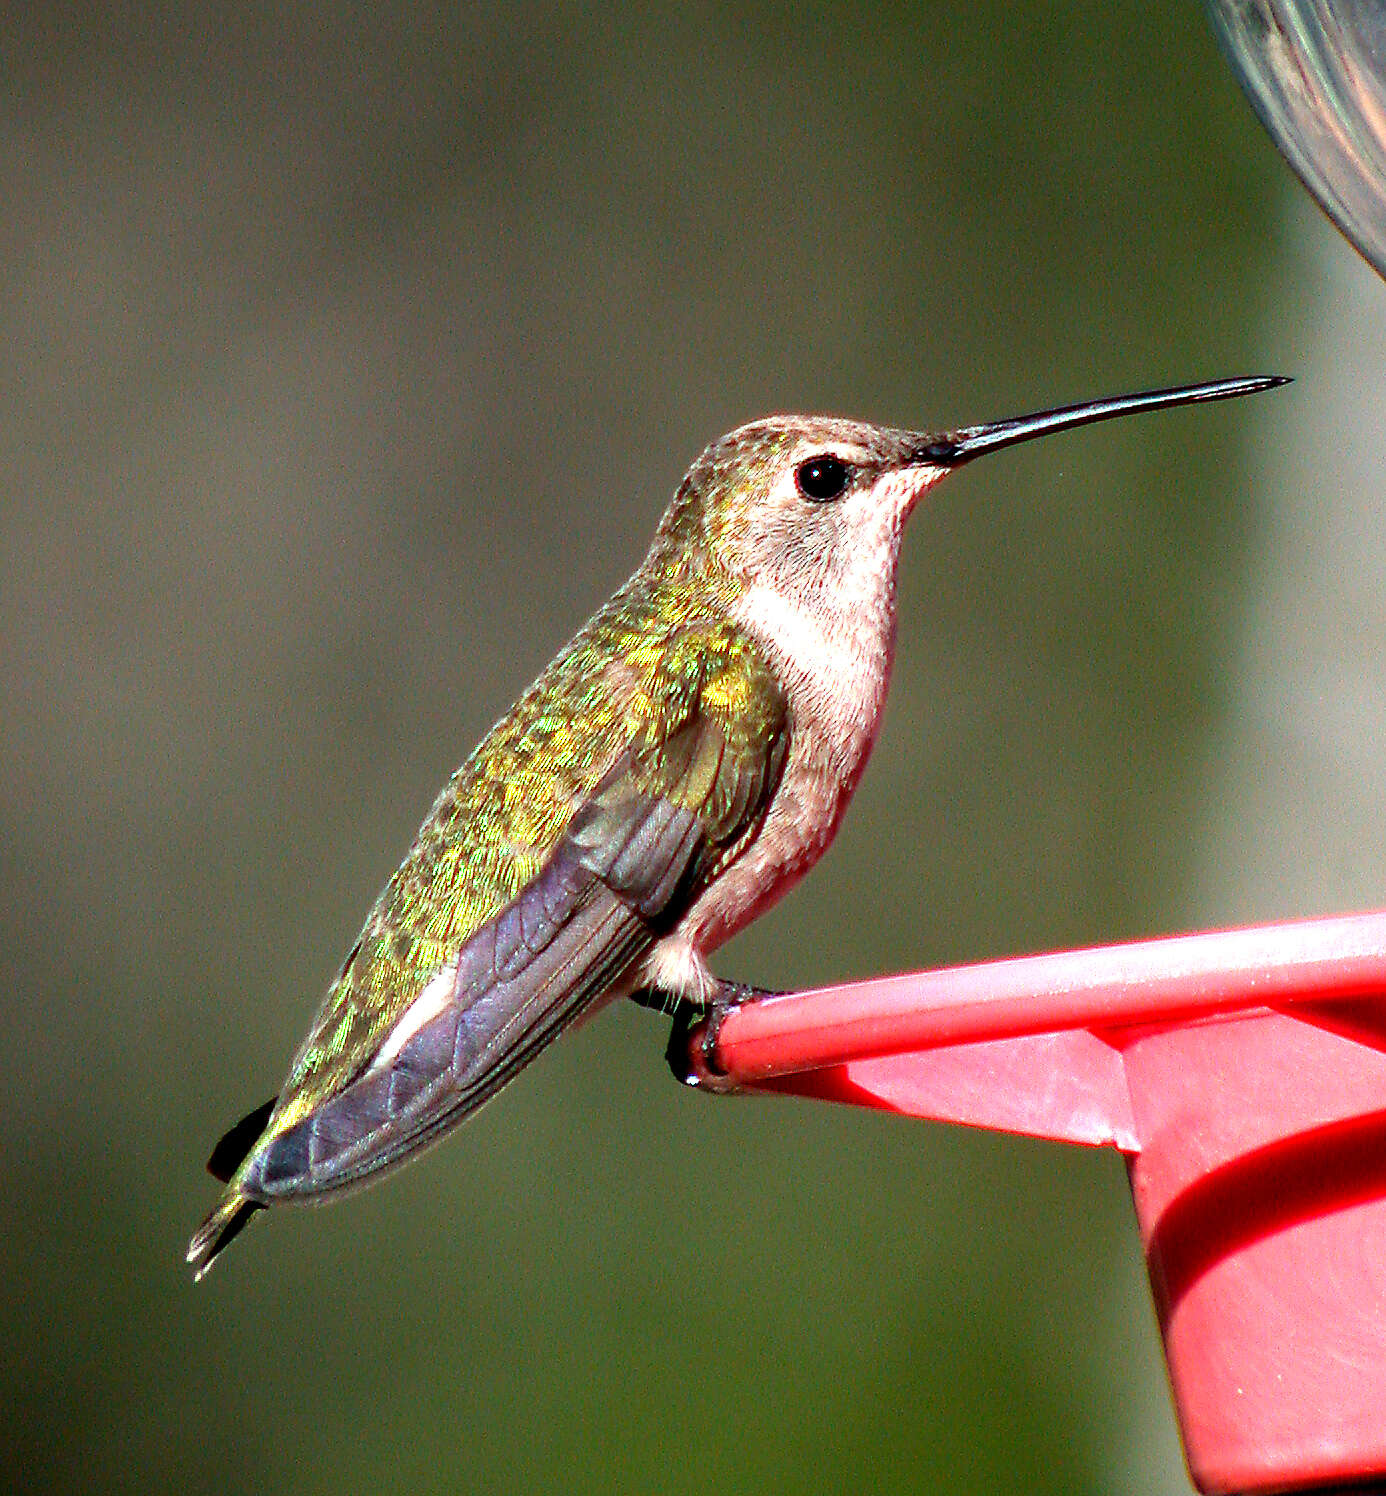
[(822, 478)]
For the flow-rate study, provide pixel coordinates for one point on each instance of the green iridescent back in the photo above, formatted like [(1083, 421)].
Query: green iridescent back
[(658, 649)]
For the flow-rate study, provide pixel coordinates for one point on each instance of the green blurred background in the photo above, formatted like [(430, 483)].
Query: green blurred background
[(349, 357)]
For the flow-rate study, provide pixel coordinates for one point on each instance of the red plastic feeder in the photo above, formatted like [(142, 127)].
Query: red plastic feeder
[(1243, 1075)]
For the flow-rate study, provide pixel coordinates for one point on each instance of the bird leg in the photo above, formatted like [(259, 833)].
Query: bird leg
[(699, 1068)]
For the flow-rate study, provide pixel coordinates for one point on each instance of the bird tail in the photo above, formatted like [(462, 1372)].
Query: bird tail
[(227, 1220), (235, 1207)]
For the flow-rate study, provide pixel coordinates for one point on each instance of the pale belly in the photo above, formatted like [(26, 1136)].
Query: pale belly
[(799, 827), (835, 662)]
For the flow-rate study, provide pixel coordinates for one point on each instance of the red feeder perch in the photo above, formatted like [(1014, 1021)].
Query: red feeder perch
[(1243, 1075)]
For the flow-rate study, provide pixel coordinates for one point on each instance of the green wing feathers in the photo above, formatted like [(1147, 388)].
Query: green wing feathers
[(695, 706), (642, 760)]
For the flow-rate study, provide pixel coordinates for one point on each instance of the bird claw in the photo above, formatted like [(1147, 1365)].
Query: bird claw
[(692, 1055), (693, 1062)]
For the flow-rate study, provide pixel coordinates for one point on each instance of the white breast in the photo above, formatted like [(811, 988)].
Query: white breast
[(833, 654), (834, 660)]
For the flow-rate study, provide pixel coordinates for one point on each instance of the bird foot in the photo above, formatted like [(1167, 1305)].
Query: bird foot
[(696, 1064)]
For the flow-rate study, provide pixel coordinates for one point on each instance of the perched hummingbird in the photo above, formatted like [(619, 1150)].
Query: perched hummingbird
[(680, 765)]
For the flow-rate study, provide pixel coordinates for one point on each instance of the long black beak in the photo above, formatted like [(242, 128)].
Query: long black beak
[(957, 447)]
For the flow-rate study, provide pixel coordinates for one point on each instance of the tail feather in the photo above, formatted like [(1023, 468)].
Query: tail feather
[(219, 1230), (234, 1146)]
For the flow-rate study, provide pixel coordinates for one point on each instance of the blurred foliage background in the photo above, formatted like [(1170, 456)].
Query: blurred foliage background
[(349, 356)]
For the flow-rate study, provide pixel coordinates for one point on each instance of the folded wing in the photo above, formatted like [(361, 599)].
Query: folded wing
[(685, 796), (516, 984), (683, 799)]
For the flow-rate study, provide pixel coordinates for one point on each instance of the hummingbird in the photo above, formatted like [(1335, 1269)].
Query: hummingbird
[(684, 760)]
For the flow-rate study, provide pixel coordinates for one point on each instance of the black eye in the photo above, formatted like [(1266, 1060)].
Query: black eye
[(822, 478)]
